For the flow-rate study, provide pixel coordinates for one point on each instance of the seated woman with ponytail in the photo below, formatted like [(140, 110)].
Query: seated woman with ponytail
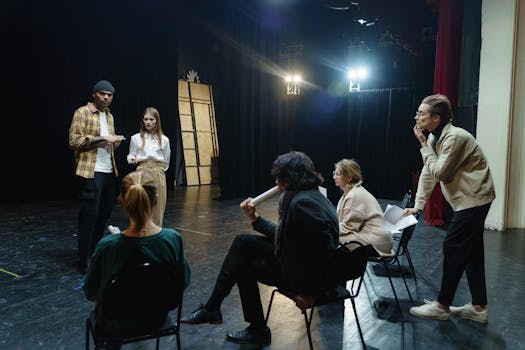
[(142, 241)]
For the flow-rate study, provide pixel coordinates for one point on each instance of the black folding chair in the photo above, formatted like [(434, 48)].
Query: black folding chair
[(401, 249), (143, 294), (407, 202), (347, 266), (393, 257)]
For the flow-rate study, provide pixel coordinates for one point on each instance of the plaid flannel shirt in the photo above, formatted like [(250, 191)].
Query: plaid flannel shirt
[(85, 126)]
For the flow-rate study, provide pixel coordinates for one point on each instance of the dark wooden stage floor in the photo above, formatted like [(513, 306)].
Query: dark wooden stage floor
[(44, 308)]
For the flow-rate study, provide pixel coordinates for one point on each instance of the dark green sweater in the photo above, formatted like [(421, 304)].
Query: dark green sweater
[(117, 252)]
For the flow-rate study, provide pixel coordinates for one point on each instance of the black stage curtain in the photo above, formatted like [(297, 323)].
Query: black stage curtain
[(234, 51), (466, 113), (374, 127), (55, 51), (246, 110)]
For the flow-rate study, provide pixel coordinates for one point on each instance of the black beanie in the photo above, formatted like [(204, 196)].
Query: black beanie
[(103, 85)]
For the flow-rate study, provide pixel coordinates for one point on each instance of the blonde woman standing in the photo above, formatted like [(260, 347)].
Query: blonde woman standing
[(150, 150), (358, 211)]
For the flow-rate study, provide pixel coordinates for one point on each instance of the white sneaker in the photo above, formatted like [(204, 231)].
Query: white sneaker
[(430, 310), (468, 311)]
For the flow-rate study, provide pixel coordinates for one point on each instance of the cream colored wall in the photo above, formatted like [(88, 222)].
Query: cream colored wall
[(516, 194), (500, 127)]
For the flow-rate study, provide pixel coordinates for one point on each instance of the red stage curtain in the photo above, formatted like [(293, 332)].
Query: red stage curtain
[(446, 81)]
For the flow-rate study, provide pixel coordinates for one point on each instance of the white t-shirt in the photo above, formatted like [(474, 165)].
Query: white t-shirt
[(103, 163)]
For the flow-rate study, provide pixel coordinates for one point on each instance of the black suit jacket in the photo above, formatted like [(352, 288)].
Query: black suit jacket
[(309, 235)]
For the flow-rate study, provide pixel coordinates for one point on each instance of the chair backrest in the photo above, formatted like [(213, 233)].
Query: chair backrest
[(407, 200), (349, 264), (406, 235), (147, 291)]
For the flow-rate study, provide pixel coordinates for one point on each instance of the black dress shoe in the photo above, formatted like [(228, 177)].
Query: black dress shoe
[(201, 315), (251, 335)]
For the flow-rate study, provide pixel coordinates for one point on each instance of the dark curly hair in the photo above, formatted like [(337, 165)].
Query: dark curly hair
[(297, 171)]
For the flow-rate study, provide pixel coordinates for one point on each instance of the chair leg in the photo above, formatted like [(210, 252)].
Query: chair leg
[(367, 274), (404, 279), (269, 306), (372, 285), (358, 324), (158, 340), (311, 316), (87, 334), (385, 264), (410, 264), (307, 323), (178, 341)]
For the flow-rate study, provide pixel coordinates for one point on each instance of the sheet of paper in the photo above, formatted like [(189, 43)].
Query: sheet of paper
[(394, 219), (393, 213), (113, 229)]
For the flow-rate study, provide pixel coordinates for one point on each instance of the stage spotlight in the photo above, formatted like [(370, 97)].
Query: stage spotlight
[(362, 73), (355, 77), (293, 84)]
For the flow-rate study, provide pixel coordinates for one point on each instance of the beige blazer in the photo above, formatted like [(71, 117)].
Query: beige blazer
[(360, 218), (460, 166)]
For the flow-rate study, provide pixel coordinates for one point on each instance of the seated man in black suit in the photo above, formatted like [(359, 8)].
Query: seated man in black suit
[(293, 254)]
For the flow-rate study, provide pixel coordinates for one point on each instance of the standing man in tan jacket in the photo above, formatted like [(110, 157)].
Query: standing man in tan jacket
[(93, 140), (452, 156)]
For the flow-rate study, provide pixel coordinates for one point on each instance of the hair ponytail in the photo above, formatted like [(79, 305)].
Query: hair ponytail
[(139, 192)]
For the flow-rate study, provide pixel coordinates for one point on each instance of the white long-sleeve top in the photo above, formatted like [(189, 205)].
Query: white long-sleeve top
[(151, 149)]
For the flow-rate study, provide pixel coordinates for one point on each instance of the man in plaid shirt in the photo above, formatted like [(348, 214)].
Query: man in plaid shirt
[(93, 140)]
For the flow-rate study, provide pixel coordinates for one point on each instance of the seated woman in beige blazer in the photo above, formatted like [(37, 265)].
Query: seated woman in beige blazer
[(358, 211)]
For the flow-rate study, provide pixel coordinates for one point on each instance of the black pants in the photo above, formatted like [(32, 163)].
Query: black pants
[(97, 196), (463, 251), (249, 260)]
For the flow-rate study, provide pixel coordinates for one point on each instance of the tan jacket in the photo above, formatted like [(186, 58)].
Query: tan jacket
[(360, 217), (460, 166)]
